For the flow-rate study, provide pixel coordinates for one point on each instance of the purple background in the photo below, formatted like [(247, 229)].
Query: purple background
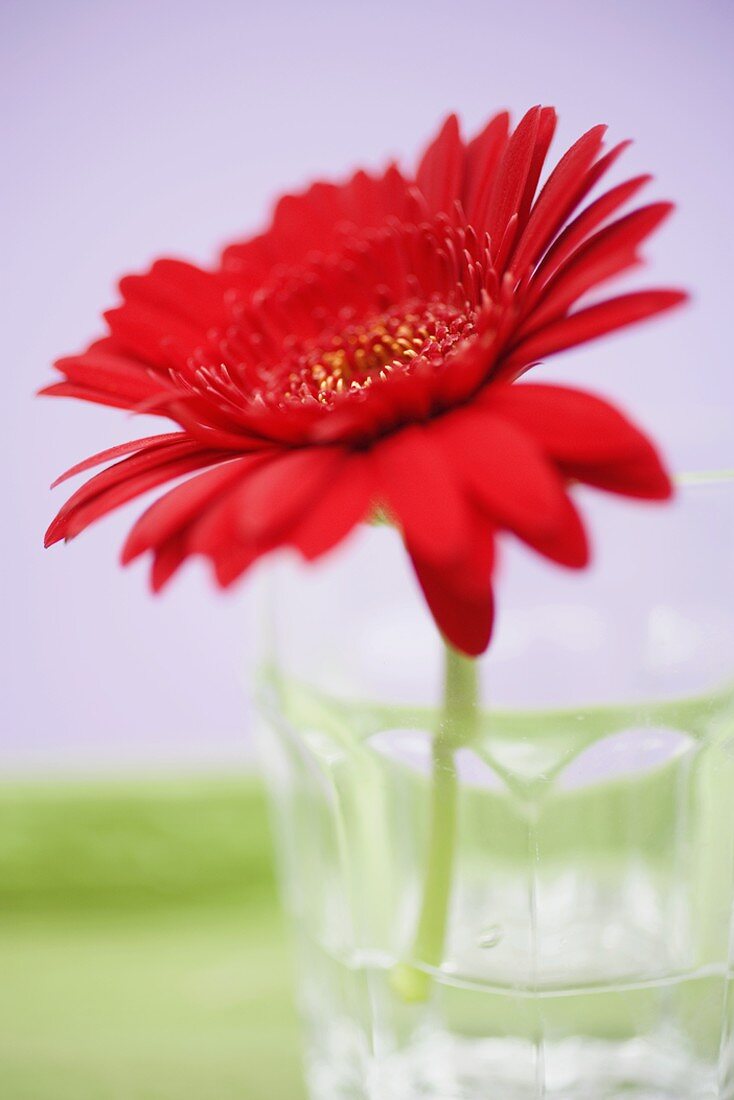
[(136, 129)]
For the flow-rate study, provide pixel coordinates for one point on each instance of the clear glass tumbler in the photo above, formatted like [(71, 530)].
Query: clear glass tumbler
[(541, 907)]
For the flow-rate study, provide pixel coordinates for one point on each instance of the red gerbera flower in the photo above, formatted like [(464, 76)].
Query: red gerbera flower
[(361, 353)]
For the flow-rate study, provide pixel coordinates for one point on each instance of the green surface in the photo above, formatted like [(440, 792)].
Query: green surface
[(142, 956)]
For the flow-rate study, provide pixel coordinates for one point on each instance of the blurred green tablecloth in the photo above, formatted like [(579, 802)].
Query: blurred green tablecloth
[(142, 956)]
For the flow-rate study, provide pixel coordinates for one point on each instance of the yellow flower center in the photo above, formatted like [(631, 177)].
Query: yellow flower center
[(362, 353)]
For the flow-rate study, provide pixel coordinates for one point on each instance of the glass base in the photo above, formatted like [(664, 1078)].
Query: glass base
[(365, 1043), (444, 1068)]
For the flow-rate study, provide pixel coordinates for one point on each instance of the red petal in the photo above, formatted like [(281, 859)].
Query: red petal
[(278, 491), (147, 444), (460, 596), (347, 501), (219, 533), (145, 330), (512, 176), (72, 521), (482, 158), (465, 622), (599, 169), (590, 439), (84, 393), (607, 253), (505, 470), (567, 544), (582, 227), (167, 559), (439, 174), (644, 476), (546, 130), (415, 483), (172, 512), (182, 290), (315, 220), (231, 560), (589, 324), (556, 199), (148, 457), (570, 425), (126, 381), (262, 510)]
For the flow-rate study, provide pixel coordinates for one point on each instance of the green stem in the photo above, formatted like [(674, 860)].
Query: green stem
[(457, 727)]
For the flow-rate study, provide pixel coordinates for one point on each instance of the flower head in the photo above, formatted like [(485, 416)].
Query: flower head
[(362, 354)]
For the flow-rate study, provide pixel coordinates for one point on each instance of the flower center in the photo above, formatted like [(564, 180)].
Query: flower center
[(359, 354)]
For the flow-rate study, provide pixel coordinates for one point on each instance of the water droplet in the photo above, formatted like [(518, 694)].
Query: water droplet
[(490, 937)]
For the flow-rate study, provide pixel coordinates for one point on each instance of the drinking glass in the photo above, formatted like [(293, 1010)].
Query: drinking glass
[(541, 908)]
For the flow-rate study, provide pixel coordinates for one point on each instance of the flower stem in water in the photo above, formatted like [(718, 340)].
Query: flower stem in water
[(457, 728)]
